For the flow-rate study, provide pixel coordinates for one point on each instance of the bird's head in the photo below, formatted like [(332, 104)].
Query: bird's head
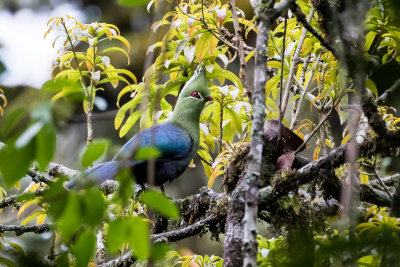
[(194, 95), (196, 89)]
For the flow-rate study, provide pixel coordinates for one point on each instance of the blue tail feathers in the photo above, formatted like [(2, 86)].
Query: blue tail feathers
[(99, 173)]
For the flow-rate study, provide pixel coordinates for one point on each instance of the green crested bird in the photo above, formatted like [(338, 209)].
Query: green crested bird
[(177, 140)]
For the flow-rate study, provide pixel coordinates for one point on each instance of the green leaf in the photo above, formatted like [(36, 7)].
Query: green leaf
[(308, 45), (235, 120), (219, 73), (139, 237), (17, 247), (113, 80), (26, 197), (66, 73), (93, 151), (369, 38), (116, 49), (14, 162), (121, 71), (117, 234), (147, 152), (134, 231), (272, 85), (372, 87), (121, 112), (160, 203), (7, 262), (122, 40), (159, 250), (179, 47), (45, 145), (95, 206), (57, 197), (132, 119), (70, 220), (127, 89), (206, 42), (84, 248)]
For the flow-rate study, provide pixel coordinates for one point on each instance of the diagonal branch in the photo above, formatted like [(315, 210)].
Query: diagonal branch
[(302, 18), (382, 99)]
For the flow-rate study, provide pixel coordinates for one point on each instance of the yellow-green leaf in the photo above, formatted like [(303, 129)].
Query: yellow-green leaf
[(346, 138), (116, 49), (122, 39), (364, 178), (369, 38), (372, 87), (206, 42), (132, 119)]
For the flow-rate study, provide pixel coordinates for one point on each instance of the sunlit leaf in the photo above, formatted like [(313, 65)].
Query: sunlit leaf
[(160, 203), (93, 151), (122, 39), (206, 43), (363, 178), (116, 49), (372, 87)]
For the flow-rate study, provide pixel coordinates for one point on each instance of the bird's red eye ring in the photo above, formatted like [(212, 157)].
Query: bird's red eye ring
[(195, 94)]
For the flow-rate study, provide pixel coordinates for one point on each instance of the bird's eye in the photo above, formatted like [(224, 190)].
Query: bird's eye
[(195, 94)]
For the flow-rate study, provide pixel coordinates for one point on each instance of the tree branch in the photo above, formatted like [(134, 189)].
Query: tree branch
[(293, 68), (8, 201), (171, 236), (382, 99), (294, 117), (20, 229), (301, 17)]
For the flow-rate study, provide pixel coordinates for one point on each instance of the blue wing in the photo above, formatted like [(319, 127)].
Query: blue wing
[(100, 173), (170, 140)]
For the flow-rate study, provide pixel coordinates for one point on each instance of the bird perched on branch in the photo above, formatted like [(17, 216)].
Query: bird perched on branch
[(176, 140)]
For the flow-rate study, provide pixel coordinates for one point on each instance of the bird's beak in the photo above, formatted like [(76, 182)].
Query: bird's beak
[(209, 98)]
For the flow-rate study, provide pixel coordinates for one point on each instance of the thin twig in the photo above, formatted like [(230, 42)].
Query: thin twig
[(296, 88), (221, 123), (204, 160), (294, 118), (293, 68), (382, 99), (245, 75), (314, 131), (281, 83), (378, 177), (212, 32), (73, 51), (388, 181), (51, 257), (302, 18)]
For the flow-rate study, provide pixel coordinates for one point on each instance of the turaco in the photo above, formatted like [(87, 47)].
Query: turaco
[(177, 140)]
